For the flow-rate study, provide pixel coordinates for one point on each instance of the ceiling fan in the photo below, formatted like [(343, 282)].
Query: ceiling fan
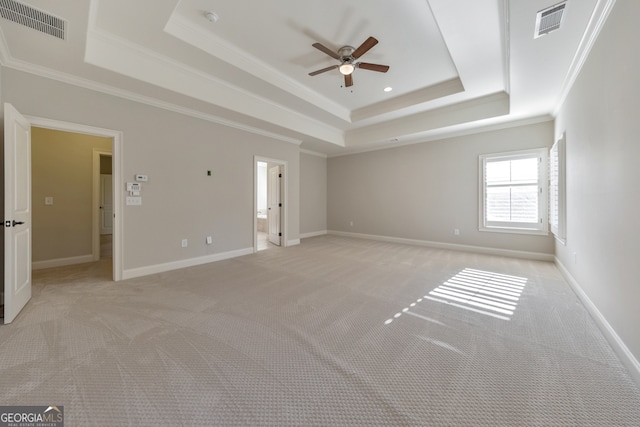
[(347, 56)]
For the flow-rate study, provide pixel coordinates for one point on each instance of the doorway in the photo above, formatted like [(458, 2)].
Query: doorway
[(269, 203), (101, 230), (105, 205), (71, 184), (18, 202)]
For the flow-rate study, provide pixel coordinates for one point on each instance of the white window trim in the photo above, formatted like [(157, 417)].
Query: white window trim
[(543, 188), (559, 230)]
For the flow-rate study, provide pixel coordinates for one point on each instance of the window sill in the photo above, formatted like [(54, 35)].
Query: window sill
[(515, 231)]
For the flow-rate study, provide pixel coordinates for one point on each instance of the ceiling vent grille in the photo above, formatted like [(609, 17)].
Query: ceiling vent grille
[(549, 19), (33, 18)]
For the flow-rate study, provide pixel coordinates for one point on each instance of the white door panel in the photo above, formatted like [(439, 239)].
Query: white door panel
[(17, 212), (273, 203)]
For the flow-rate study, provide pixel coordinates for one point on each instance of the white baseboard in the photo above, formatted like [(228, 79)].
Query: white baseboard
[(626, 357), (451, 246), (175, 265), (293, 242), (60, 262), (313, 234)]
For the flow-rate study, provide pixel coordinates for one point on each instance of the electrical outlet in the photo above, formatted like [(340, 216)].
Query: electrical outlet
[(350, 223), (456, 232), (185, 242), (209, 240)]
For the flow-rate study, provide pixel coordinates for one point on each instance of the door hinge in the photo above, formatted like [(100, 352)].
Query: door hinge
[(279, 205), (279, 234), (279, 175)]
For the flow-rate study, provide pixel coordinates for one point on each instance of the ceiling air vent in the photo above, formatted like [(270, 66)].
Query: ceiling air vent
[(33, 18), (549, 19)]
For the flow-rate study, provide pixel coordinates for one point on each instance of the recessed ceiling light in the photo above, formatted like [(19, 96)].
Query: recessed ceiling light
[(212, 16), (388, 89)]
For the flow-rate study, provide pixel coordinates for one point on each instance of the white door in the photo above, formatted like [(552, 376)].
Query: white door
[(274, 205), (106, 204), (17, 212)]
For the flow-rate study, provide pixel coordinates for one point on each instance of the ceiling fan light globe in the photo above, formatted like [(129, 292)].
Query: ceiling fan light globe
[(346, 69)]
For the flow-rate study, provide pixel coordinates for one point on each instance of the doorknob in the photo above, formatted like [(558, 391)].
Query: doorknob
[(14, 222)]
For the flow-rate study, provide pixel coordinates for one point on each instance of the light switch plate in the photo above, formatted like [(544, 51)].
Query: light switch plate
[(134, 201)]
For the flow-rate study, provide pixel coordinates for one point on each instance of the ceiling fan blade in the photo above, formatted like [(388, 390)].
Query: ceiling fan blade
[(348, 80), (326, 50), (373, 67), (324, 70), (364, 47)]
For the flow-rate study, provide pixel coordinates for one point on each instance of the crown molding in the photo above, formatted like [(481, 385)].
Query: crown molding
[(421, 96), (596, 23), (113, 53), (506, 47), (131, 96), (6, 60), (465, 112), (182, 29), (313, 153), (440, 134)]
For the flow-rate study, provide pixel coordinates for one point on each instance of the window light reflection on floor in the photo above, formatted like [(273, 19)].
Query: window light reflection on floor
[(484, 292)]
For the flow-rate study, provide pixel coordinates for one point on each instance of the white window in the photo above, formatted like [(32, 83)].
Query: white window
[(513, 192), (557, 198)]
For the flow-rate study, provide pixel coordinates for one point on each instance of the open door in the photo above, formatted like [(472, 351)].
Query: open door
[(274, 205), (17, 212)]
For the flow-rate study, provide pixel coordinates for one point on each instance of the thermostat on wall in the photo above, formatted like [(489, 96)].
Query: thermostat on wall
[(134, 186), (142, 178)]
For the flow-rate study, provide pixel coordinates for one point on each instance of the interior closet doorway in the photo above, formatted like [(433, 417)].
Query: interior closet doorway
[(85, 209)]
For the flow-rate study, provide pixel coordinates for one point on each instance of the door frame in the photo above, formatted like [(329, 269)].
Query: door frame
[(117, 166), (95, 201), (284, 198)]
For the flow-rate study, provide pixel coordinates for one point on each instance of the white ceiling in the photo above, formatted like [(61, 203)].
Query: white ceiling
[(456, 66)]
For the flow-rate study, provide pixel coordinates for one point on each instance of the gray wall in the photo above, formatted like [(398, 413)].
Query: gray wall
[(601, 117), (313, 194), (175, 151), (62, 168), (425, 191)]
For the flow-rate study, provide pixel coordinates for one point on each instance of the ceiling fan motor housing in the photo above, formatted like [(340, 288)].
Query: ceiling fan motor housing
[(346, 54)]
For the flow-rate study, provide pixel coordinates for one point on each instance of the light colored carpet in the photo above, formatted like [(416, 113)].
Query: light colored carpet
[(336, 331)]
